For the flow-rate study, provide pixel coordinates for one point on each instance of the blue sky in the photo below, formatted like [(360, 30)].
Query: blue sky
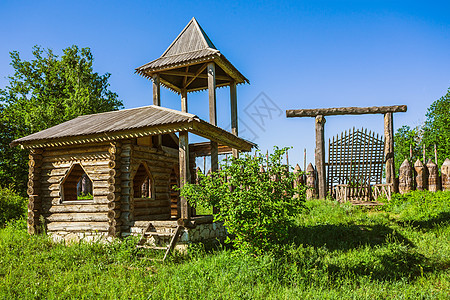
[(298, 54)]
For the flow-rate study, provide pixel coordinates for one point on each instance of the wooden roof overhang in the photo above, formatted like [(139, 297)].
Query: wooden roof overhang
[(191, 124), (183, 65)]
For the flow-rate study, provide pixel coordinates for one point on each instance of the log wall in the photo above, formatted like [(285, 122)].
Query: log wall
[(160, 164), (64, 217)]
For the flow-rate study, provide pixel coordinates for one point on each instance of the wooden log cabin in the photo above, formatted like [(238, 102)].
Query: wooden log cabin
[(128, 161)]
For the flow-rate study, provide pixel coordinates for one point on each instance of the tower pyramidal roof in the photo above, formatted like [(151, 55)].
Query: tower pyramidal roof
[(183, 64)]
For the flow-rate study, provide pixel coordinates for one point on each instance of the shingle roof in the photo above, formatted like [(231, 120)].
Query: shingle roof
[(111, 121), (192, 46), (128, 123), (192, 43)]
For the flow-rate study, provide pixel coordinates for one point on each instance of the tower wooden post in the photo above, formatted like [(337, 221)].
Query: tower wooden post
[(234, 118), (184, 104), (211, 70), (157, 102), (183, 150), (156, 90)]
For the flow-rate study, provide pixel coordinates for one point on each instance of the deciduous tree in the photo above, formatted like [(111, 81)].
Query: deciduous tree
[(44, 92)]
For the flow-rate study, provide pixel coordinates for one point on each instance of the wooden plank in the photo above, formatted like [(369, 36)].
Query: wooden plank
[(78, 226), (204, 149), (78, 208), (78, 217), (292, 113)]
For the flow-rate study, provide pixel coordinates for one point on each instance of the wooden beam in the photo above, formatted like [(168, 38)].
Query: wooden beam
[(156, 90), (184, 104), (320, 156), (202, 68), (389, 149), (186, 74), (234, 116), (183, 148), (204, 149), (292, 113), (185, 77)]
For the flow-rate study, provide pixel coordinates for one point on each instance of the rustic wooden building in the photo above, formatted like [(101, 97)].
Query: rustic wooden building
[(113, 173)]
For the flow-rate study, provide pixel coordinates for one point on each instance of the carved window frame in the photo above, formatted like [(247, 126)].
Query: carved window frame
[(64, 179)]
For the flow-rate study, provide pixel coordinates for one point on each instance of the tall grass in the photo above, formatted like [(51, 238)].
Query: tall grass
[(401, 251)]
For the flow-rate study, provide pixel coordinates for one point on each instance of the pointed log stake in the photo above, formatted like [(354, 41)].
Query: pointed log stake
[(405, 179), (433, 176), (421, 176), (310, 182), (298, 178), (445, 171)]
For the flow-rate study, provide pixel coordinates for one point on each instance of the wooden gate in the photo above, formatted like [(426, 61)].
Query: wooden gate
[(355, 163)]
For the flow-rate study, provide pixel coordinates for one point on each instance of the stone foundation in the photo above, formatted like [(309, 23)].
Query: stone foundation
[(76, 237)]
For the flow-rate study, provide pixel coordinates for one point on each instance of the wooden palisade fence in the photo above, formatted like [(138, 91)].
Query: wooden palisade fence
[(424, 177)]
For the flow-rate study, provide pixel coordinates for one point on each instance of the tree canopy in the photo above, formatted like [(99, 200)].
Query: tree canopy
[(44, 92), (435, 131)]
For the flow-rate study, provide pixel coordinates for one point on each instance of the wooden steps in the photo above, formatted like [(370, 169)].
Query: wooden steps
[(157, 238)]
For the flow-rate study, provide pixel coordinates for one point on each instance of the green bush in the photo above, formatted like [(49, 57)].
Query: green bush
[(257, 207), (12, 206), (420, 205)]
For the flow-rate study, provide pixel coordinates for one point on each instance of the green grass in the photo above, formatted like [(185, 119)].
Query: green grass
[(400, 251)]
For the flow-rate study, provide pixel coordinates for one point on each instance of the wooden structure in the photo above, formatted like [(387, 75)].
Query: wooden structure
[(420, 175), (445, 172), (355, 162), (133, 157), (311, 192), (319, 115), (405, 178), (433, 176)]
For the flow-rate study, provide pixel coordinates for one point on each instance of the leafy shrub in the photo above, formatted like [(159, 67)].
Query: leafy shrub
[(257, 207), (12, 206)]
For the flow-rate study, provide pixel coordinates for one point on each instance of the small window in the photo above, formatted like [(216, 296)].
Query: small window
[(77, 185), (142, 183)]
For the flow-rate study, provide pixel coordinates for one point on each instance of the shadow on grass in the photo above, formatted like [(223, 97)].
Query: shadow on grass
[(394, 265), (441, 219), (345, 237)]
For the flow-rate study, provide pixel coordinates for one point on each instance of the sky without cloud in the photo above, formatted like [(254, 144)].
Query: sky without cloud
[(298, 54)]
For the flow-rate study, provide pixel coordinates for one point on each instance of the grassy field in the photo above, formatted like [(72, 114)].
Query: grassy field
[(400, 251)]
